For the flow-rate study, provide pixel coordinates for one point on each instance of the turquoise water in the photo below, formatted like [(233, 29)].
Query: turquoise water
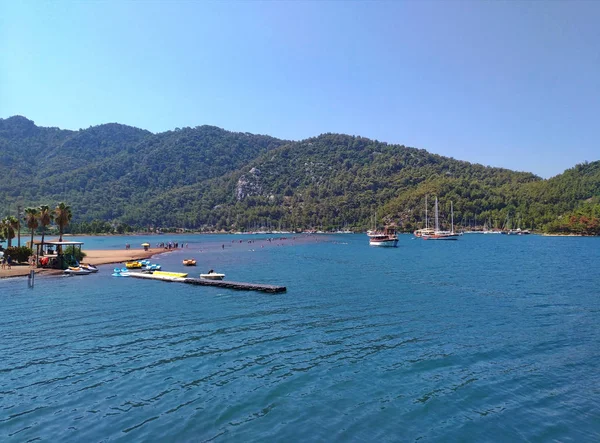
[(490, 338)]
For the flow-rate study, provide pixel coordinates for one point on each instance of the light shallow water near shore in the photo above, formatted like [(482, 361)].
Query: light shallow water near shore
[(490, 338)]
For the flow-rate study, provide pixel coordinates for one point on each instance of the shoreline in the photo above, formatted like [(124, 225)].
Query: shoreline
[(107, 256), (568, 235), (95, 257)]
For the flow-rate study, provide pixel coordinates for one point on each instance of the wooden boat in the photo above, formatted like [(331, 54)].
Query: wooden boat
[(386, 238), (427, 230), (212, 275), (189, 262), (441, 235), (424, 232), (170, 274)]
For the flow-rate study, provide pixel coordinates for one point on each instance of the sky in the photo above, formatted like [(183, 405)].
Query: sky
[(514, 84)]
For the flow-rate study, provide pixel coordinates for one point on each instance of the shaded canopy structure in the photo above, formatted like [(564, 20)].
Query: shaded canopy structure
[(53, 249)]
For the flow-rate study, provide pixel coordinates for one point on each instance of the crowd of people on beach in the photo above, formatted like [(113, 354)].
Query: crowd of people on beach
[(170, 245), (6, 261), (165, 245)]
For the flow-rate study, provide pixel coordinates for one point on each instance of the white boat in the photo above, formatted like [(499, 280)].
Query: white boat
[(212, 275), (88, 266), (518, 231), (437, 233), (386, 238), (76, 271)]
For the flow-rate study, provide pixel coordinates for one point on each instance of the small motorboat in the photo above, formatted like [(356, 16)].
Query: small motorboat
[(89, 267), (212, 275), (133, 265), (72, 270), (189, 262)]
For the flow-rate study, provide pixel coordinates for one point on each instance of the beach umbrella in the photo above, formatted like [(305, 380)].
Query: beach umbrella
[(145, 245)]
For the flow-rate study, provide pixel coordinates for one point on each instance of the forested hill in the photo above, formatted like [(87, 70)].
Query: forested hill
[(209, 178)]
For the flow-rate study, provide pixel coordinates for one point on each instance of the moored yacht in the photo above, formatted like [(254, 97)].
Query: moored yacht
[(427, 230), (386, 238), (442, 235)]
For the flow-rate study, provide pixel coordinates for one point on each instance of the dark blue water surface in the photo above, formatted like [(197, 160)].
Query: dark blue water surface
[(490, 338)]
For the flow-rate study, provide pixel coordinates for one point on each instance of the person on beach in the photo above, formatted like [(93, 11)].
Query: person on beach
[(9, 262), (3, 260)]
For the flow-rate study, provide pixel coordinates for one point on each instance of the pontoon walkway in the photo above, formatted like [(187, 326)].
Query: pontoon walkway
[(218, 283)]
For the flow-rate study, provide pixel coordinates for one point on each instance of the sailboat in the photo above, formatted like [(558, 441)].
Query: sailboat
[(437, 233), (427, 230), (488, 230)]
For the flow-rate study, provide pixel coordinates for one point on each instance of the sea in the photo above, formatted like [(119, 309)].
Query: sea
[(490, 338)]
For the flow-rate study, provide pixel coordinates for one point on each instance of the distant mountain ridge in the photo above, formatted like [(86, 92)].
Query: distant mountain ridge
[(207, 177)]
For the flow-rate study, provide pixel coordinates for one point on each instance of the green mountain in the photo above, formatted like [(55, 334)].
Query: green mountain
[(209, 178)]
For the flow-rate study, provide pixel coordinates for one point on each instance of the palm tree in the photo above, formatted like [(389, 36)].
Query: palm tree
[(45, 218), (19, 225), (3, 233), (62, 217), (9, 224), (31, 218)]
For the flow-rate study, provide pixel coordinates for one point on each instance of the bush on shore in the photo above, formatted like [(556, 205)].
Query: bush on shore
[(19, 254)]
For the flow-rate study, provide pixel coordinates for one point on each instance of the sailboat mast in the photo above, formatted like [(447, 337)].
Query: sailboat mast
[(452, 216), (437, 225), (426, 221)]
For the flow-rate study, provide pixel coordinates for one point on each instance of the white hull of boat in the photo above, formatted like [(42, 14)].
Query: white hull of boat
[(77, 272), (441, 237), (384, 243), (213, 276)]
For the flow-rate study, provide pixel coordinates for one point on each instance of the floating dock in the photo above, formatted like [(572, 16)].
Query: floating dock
[(235, 285), (219, 283)]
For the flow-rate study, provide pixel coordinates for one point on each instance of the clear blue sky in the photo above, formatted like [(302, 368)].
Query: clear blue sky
[(513, 84)]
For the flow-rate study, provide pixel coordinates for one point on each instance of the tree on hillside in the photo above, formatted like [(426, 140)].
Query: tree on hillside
[(62, 217), (45, 218), (31, 218)]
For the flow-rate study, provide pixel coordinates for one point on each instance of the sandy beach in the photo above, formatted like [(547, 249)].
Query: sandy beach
[(94, 257)]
